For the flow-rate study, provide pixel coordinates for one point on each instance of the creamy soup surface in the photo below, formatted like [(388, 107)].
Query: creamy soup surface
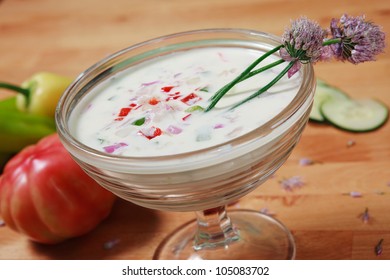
[(154, 108)]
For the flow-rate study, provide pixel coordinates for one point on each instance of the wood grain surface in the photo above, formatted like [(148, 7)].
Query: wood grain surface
[(66, 37)]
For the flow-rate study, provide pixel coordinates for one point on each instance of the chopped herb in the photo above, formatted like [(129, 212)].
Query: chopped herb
[(204, 89), (194, 108), (139, 122)]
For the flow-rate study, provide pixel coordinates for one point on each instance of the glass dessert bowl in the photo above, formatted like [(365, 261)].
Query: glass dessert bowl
[(203, 178)]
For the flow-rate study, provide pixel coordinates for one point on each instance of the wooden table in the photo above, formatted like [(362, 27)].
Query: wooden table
[(68, 36)]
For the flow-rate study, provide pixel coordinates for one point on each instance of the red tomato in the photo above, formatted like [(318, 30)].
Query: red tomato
[(45, 195)]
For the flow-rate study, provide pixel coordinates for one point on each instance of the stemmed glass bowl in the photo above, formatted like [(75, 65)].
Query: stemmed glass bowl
[(205, 180)]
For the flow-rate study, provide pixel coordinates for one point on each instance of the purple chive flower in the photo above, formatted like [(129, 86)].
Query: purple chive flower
[(360, 41), (303, 43)]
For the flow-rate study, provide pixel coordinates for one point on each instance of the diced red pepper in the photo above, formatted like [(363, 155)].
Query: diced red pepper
[(191, 99), (119, 119), (153, 101), (134, 106), (151, 132), (157, 132), (186, 117), (167, 88), (173, 96), (124, 112)]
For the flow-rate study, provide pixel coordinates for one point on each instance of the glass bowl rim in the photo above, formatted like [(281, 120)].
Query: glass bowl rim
[(66, 136)]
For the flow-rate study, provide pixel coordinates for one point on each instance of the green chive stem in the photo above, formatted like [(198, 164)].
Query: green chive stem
[(220, 93), (331, 41), (262, 69), (268, 86)]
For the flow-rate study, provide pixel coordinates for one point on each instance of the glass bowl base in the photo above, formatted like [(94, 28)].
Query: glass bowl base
[(260, 237)]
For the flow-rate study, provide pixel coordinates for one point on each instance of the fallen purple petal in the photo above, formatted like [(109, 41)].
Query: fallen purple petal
[(266, 211), (379, 248), (365, 216), (294, 69), (355, 194), (292, 183), (351, 143), (2, 223), (305, 162), (111, 244)]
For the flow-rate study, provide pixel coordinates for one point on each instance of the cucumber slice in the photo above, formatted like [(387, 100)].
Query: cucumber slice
[(358, 115), (324, 92)]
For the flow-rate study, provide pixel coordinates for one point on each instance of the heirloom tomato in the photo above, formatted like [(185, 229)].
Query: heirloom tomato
[(45, 195)]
